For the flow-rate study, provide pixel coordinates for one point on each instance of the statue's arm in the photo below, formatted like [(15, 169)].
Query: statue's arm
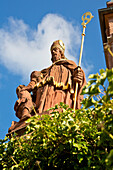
[(34, 79), (30, 86)]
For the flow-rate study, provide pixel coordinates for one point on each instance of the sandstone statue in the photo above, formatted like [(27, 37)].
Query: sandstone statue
[(50, 86)]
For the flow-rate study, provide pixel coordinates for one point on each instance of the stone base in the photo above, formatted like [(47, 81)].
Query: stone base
[(19, 129)]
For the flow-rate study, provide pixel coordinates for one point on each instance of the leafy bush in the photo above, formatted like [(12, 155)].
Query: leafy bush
[(80, 140)]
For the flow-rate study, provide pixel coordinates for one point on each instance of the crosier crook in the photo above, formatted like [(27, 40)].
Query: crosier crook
[(86, 18)]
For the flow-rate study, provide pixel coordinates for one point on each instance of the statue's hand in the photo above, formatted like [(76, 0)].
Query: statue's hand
[(25, 88), (78, 75)]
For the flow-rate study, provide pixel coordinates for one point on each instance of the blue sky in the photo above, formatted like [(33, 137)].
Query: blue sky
[(28, 28)]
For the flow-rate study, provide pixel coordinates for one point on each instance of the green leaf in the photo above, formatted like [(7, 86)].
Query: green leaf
[(102, 71), (109, 159), (93, 76)]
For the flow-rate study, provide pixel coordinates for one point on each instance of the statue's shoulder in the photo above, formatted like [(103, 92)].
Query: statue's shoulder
[(71, 62), (35, 74), (67, 63), (46, 70)]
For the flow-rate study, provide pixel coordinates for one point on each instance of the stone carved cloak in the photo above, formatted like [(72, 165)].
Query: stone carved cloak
[(47, 96)]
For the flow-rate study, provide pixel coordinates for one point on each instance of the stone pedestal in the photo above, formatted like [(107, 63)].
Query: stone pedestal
[(20, 128)]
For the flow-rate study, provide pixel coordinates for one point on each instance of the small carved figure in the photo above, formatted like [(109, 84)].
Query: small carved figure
[(24, 104)]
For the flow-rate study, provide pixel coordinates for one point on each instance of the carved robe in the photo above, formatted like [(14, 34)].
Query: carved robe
[(49, 94)]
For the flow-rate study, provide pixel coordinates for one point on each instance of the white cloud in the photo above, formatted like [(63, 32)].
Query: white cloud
[(23, 50)]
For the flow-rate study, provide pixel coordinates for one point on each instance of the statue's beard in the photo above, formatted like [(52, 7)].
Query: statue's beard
[(56, 57)]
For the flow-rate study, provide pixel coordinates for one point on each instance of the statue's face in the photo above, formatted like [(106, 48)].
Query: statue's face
[(56, 54)]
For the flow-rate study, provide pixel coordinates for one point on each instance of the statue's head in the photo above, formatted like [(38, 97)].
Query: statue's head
[(19, 88), (57, 50)]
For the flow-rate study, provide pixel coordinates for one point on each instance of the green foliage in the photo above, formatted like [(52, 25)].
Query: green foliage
[(67, 139)]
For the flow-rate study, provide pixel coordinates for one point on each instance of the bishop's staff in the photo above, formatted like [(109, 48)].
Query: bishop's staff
[(86, 18)]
